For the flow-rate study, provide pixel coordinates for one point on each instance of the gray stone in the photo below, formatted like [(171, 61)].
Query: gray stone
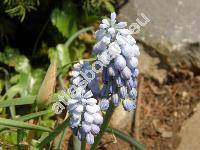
[(190, 132), (150, 66), (173, 31), (121, 119)]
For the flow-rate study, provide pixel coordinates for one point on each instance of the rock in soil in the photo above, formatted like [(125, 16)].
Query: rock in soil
[(190, 132), (121, 119)]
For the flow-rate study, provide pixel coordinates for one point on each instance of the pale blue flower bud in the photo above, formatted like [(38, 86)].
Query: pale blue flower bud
[(91, 101), (126, 73), (113, 88), (99, 47), (104, 57), (98, 119), (131, 83), (79, 108), (76, 115), (136, 50), (121, 25), (123, 92), (133, 93), (75, 122), (114, 49), (115, 99), (88, 117), (71, 106), (90, 138), (129, 105), (119, 81), (120, 40), (104, 104), (135, 72), (100, 34), (72, 101), (106, 39), (120, 63), (124, 31), (92, 109), (127, 51), (130, 40), (132, 63), (103, 26), (112, 71), (111, 30), (76, 80), (95, 129), (112, 18), (86, 126)]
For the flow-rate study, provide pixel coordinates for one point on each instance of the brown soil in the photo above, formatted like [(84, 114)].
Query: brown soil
[(164, 108)]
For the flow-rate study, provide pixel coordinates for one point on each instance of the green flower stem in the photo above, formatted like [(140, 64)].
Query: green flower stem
[(104, 125), (76, 143), (83, 145), (73, 37)]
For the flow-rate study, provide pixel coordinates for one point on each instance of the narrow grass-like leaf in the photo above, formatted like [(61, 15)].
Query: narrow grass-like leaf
[(126, 138), (20, 136), (23, 125), (34, 115), (18, 101), (62, 138), (54, 134), (29, 116)]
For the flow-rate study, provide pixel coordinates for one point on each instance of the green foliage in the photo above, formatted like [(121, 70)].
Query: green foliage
[(19, 124), (17, 101), (65, 19), (12, 58), (96, 6), (19, 8), (30, 38)]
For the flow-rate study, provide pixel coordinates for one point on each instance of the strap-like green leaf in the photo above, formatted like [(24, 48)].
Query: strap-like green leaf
[(18, 101), (62, 138), (126, 138), (29, 116), (33, 115), (19, 124), (54, 134)]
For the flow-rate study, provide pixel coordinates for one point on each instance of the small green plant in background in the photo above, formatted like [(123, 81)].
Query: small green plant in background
[(20, 8)]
